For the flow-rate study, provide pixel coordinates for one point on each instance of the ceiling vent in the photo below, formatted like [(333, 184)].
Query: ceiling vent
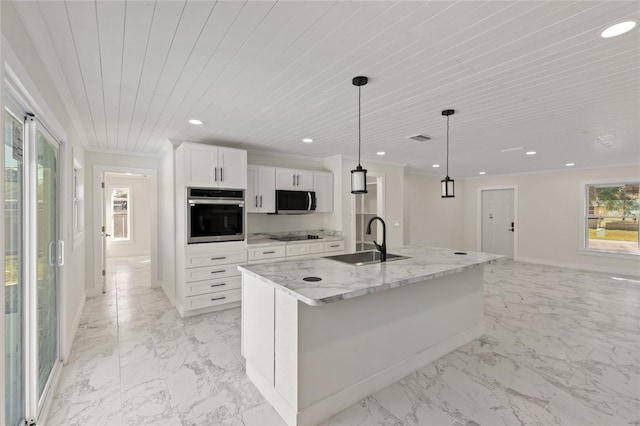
[(420, 138)]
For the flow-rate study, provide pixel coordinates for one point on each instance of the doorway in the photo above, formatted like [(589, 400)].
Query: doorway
[(498, 221), (126, 217), (367, 206)]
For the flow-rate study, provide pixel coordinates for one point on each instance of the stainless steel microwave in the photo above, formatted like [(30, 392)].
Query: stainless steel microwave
[(214, 215), (295, 202)]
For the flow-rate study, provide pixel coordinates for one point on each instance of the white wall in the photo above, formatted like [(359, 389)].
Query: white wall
[(430, 219), (20, 54), (262, 222), (166, 223), (115, 163), (548, 225), (139, 208)]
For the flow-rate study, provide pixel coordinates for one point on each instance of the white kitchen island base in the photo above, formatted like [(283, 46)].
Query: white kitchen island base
[(311, 362)]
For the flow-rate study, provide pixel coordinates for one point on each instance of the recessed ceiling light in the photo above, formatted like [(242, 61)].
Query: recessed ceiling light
[(380, 153), (196, 121), (531, 153), (435, 166), (618, 29), (482, 173), (570, 164), (307, 140)]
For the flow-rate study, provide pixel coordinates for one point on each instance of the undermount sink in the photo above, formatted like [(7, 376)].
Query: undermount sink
[(365, 258)]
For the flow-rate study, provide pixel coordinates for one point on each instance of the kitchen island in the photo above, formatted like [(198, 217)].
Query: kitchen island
[(315, 347)]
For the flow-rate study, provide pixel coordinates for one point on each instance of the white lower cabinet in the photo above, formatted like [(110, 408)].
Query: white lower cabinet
[(212, 281), (294, 251)]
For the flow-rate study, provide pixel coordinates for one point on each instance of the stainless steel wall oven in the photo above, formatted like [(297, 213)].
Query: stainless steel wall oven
[(215, 215)]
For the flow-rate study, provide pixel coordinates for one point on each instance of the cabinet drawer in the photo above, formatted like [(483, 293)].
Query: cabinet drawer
[(220, 298), (211, 272), (304, 249), (266, 253), (212, 286), (334, 246), (197, 260)]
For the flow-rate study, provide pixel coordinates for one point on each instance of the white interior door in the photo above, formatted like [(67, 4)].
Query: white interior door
[(103, 233), (498, 223)]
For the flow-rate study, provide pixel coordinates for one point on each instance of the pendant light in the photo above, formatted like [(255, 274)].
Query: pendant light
[(359, 175), (447, 189)]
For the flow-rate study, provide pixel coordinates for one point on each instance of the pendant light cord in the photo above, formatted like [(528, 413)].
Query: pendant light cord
[(359, 127), (447, 146)]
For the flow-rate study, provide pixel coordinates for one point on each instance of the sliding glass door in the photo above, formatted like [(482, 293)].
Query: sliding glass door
[(48, 258), (33, 256), (14, 269)]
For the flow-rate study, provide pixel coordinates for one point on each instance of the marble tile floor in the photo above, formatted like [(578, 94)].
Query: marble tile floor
[(562, 347)]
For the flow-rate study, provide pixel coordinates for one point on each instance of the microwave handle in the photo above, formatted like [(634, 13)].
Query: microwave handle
[(309, 196)]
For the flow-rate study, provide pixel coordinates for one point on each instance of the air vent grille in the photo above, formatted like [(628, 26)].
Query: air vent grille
[(420, 138)]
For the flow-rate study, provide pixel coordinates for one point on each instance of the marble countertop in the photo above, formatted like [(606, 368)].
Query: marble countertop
[(344, 281)]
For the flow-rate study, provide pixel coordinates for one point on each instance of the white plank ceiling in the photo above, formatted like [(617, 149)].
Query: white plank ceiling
[(264, 74)]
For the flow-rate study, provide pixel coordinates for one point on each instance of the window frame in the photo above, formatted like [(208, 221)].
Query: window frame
[(583, 248), (110, 222)]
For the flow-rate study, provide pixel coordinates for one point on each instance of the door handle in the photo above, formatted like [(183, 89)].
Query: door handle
[(256, 201), (60, 253), (221, 175), (294, 180), (298, 179), (215, 171), (51, 253), (261, 201), (309, 196)]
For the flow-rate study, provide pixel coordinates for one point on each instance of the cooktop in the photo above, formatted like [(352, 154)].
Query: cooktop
[(297, 238)]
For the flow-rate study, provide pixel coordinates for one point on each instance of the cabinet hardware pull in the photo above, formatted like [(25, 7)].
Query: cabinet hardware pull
[(294, 180), (218, 298), (215, 178), (221, 175), (335, 245), (218, 258), (256, 201), (268, 252), (261, 201), (298, 179), (217, 272), (218, 285)]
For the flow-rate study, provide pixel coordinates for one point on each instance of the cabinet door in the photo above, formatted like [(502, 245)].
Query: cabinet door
[(285, 179), (304, 180), (232, 164), (201, 163), (323, 186), (253, 189), (267, 193)]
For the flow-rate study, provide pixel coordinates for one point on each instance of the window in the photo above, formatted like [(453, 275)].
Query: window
[(120, 217), (612, 211), (78, 201)]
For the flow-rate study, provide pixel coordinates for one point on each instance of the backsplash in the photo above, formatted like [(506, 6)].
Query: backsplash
[(318, 232), (270, 223)]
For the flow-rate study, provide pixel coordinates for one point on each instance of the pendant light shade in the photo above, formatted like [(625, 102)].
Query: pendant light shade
[(359, 175), (447, 189)]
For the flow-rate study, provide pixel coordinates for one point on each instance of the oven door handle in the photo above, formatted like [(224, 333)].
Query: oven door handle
[(217, 202)]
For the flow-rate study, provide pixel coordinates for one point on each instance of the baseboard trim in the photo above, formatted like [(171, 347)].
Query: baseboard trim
[(74, 329), (167, 293), (579, 266)]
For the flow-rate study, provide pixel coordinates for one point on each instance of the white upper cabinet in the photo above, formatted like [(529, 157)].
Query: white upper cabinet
[(214, 167), (323, 187), (294, 180), (261, 189), (232, 165)]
